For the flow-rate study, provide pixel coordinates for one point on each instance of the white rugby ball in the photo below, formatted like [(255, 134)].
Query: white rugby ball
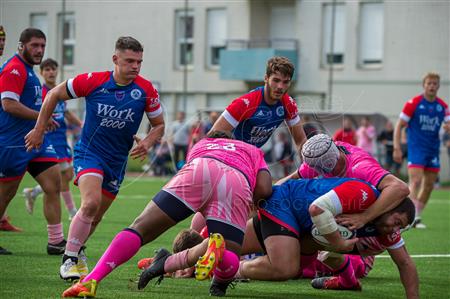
[(345, 234)]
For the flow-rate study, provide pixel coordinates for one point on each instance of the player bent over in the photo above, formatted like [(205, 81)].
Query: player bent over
[(218, 181), (298, 204)]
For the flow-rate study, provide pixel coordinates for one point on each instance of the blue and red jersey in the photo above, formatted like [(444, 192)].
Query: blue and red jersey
[(254, 120), (424, 120), (18, 82), (113, 113), (58, 136)]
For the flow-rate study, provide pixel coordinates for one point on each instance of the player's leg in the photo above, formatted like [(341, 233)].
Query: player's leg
[(66, 194), (48, 177), (428, 180), (90, 185), (8, 189)]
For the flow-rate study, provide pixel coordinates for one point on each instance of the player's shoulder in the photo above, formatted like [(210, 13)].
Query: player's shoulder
[(95, 77), (442, 102), (415, 100), (286, 99), (15, 66), (144, 84)]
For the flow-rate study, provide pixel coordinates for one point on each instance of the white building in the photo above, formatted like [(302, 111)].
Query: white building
[(216, 50)]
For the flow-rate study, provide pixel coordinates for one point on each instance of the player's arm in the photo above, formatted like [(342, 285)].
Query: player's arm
[(17, 109), (299, 136), (34, 138), (222, 125), (72, 118), (263, 187), (292, 176), (397, 154), (407, 270), (155, 134), (322, 212)]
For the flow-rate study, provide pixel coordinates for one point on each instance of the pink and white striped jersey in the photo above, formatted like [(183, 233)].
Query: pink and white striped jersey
[(244, 157), (359, 165)]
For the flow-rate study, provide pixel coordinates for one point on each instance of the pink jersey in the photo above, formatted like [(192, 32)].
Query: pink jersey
[(242, 156), (359, 165), (369, 246)]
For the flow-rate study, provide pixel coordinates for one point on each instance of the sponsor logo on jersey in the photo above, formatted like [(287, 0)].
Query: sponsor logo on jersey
[(2, 175), (260, 134), (108, 111), (89, 76), (246, 102), (136, 94), (15, 72), (154, 102), (263, 114), (421, 106), (428, 123), (120, 95), (30, 74), (364, 195), (103, 90)]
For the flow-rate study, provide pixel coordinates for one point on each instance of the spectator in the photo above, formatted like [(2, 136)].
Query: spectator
[(346, 133), (365, 135), (310, 127), (180, 132), (212, 118), (446, 141), (386, 138), (283, 152)]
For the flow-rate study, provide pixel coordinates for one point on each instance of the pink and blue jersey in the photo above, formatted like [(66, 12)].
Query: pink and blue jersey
[(237, 154), (113, 114), (254, 121), (424, 120), (18, 82), (359, 165)]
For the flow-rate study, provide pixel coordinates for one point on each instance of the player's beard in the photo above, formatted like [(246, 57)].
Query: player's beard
[(272, 94), (30, 59)]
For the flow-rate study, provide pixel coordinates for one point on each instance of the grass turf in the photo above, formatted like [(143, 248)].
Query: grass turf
[(31, 273)]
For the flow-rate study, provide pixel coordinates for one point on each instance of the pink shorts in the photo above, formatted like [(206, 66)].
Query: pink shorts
[(216, 190)]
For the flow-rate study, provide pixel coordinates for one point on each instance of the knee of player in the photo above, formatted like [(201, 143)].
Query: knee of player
[(285, 271), (89, 208)]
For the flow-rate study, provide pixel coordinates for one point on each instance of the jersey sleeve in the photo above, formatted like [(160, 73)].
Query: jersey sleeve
[(241, 108), (409, 108), (392, 241), (307, 172), (12, 82), (262, 163), (83, 84), (355, 196), (446, 109), (292, 118), (153, 104)]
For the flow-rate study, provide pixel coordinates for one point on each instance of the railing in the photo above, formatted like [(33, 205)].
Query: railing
[(275, 43)]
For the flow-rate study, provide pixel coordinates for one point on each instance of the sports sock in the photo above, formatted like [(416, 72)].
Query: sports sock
[(227, 268), (55, 233), (123, 247), (346, 274), (68, 201), (177, 261), (78, 233)]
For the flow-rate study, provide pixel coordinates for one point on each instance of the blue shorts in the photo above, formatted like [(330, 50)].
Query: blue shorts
[(64, 153), (427, 161), (278, 209), (89, 163), (14, 160)]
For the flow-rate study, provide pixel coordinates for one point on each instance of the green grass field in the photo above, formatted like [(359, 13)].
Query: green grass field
[(31, 273)]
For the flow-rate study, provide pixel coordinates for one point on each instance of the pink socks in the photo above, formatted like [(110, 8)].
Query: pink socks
[(55, 233), (123, 247), (176, 261), (227, 268), (78, 233)]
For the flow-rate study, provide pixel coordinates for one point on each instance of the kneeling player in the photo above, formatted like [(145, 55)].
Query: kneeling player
[(218, 180)]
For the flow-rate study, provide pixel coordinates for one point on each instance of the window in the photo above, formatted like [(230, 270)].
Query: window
[(217, 35), (67, 35), (371, 34), (184, 25), (335, 54), (39, 21), (218, 101)]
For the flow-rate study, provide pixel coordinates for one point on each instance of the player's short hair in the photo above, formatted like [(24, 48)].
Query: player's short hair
[(2, 31), (128, 43), (280, 64), (406, 206), (431, 75), (29, 33), (320, 153), (51, 63), (219, 134), (185, 239)]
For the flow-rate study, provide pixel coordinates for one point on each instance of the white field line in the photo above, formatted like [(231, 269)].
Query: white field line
[(418, 256)]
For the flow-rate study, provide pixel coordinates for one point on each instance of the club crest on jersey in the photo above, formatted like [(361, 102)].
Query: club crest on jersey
[(136, 94), (280, 111), (120, 95), (438, 108)]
